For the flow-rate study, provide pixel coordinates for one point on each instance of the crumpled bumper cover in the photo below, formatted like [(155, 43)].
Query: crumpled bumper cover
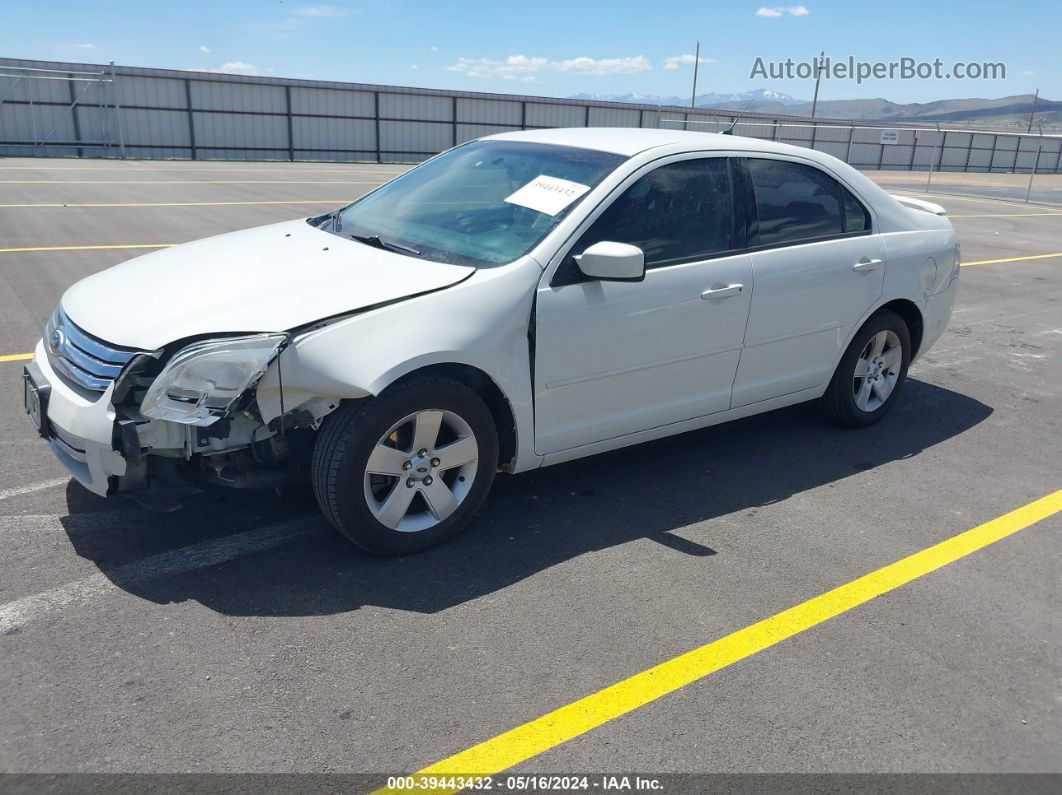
[(81, 429)]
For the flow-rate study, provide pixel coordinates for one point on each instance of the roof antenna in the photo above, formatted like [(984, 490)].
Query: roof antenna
[(730, 130)]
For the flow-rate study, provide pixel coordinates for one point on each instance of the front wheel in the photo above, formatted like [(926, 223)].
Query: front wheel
[(871, 373), (407, 470)]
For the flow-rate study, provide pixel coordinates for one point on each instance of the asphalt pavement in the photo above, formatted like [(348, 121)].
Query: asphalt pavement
[(244, 634)]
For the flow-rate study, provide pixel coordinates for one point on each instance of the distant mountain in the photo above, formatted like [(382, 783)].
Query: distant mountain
[(1003, 112), (759, 95), (744, 98), (999, 110)]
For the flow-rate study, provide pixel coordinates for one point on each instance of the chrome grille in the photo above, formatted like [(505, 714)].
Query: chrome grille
[(87, 361)]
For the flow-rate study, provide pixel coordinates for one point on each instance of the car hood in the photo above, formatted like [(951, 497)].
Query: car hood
[(271, 278)]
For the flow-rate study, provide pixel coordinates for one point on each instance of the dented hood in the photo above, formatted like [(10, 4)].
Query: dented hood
[(271, 278)]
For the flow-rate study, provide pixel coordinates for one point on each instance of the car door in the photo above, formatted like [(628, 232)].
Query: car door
[(819, 266), (613, 358)]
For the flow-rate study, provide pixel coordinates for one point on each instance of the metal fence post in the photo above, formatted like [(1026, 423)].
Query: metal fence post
[(453, 117), (1032, 174), (117, 112), (1035, 163), (105, 119), (376, 120), (940, 156), (74, 117), (33, 123), (848, 153), (191, 118), (291, 137)]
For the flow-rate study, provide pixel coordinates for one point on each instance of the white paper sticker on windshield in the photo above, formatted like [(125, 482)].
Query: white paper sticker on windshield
[(548, 195)]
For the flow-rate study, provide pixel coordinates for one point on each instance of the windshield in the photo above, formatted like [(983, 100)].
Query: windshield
[(483, 204)]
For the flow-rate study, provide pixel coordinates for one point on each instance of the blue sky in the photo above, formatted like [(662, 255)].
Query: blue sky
[(554, 48)]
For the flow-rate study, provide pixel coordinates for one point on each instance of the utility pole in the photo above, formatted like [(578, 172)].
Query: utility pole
[(819, 65), (696, 63), (1031, 115)]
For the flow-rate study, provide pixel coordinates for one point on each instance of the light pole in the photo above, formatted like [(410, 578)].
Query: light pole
[(696, 63), (1036, 96), (819, 66)]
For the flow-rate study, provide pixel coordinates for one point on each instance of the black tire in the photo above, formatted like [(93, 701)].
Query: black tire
[(349, 435), (839, 402)]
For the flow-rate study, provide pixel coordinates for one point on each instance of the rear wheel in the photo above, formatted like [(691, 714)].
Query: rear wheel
[(871, 373), (408, 470)]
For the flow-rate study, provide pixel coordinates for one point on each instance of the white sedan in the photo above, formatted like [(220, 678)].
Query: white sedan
[(520, 300)]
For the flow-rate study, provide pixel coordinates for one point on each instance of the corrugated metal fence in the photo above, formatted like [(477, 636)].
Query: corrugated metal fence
[(874, 147), (84, 110)]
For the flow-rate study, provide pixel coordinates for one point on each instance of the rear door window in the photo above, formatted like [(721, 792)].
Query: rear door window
[(796, 202)]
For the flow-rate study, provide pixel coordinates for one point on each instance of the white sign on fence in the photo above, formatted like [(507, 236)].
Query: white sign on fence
[(890, 136)]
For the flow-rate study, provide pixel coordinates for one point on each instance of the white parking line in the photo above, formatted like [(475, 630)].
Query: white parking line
[(20, 612), (8, 493)]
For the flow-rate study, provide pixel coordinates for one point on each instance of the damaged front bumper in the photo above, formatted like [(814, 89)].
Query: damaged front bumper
[(115, 450), (81, 428)]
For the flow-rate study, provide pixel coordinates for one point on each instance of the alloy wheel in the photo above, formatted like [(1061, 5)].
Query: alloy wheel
[(421, 470), (877, 370)]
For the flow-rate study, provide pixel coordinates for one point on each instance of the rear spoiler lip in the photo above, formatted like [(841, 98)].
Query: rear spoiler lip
[(919, 204)]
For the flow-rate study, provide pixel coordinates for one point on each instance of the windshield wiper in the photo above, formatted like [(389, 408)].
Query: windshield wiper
[(377, 242)]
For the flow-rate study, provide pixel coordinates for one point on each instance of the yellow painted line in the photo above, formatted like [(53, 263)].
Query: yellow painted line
[(85, 248), (1012, 259), (15, 357), (334, 202), (557, 727), (1002, 215), (185, 182)]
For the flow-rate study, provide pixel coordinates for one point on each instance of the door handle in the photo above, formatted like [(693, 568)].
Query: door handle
[(866, 265), (724, 291)]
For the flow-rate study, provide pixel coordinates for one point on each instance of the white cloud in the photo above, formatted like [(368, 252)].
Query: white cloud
[(1028, 73), (674, 61), (204, 48), (516, 65), (323, 10), (414, 66), (781, 11), (434, 49), (79, 46), (236, 68)]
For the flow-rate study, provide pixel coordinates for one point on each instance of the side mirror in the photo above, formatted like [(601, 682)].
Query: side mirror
[(612, 262)]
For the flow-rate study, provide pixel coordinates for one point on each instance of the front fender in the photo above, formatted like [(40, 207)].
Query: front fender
[(481, 322)]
